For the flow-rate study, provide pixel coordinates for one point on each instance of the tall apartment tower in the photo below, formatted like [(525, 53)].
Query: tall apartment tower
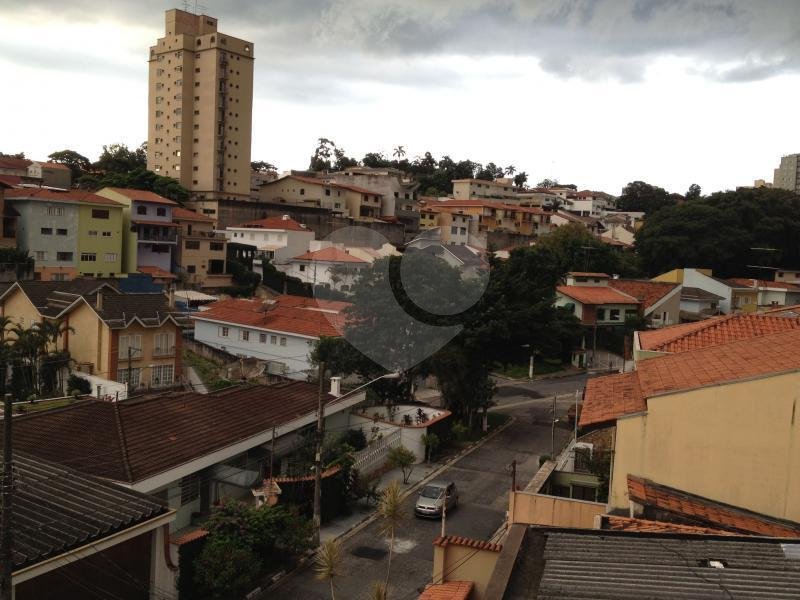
[(200, 110), (787, 175)]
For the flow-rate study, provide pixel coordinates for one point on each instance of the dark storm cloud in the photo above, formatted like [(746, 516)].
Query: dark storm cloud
[(346, 41)]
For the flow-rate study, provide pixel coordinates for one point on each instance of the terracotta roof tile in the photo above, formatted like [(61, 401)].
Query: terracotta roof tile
[(449, 590), (331, 254), (601, 294), (290, 314), (467, 542), (190, 536), (607, 398), (189, 215), (73, 196), (712, 332), (11, 162), (155, 272), (706, 512), (142, 196), (647, 526), (274, 223), (763, 283), (647, 292), (588, 274), (53, 165)]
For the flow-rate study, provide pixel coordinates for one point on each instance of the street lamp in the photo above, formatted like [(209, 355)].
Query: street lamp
[(317, 518)]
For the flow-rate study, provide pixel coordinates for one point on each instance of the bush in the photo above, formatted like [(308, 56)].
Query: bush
[(402, 458), (78, 384), (460, 431), (355, 438), (226, 569)]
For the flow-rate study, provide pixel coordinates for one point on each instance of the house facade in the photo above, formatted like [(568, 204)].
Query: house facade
[(661, 301), (201, 253), (281, 333), (347, 200), (331, 267), (467, 189), (51, 174), (734, 297), (398, 192), (276, 239), (591, 298)]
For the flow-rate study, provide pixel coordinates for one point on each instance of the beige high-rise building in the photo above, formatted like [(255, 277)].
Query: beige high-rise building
[(787, 175), (200, 109)]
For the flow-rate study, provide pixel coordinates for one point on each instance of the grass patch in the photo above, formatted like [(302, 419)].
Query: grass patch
[(207, 370), (542, 367)]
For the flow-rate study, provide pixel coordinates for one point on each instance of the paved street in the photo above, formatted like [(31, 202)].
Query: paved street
[(483, 480)]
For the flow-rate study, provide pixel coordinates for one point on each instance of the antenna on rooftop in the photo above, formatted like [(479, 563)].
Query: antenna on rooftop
[(186, 5)]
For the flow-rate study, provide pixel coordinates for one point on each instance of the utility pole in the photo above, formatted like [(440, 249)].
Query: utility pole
[(317, 518), (130, 370), (8, 502), (530, 367), (514, 475), (444, 512), (553, 431), (272, 454), (577, 395)]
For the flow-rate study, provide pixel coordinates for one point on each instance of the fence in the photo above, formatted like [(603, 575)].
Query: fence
[(374, 456)]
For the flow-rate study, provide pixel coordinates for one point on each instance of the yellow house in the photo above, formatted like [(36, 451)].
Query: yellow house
[(718, 422), (107, 333), (348, 200)]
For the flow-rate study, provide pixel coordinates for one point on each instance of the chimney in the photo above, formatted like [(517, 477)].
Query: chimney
[(98, 303), (336, 386)]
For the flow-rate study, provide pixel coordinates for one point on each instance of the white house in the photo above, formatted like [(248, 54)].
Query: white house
[(276, 238), (279, 332), (331, 267), (730, 302)]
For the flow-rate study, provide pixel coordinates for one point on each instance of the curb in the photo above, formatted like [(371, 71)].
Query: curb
[(343, 537), (557, 375)]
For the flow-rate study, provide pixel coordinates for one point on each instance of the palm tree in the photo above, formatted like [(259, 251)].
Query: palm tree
[(328, 563), (399, 152), (391, 515), (510, 170)]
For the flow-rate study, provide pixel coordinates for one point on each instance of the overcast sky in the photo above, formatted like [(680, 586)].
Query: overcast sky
[(595, 92)]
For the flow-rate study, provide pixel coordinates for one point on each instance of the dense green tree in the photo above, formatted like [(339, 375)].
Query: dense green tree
[(520, 179), (723, 232), (694, 192), (547, 183), (20, 155), (76, 162), (118, 158), (262, 166), (641, 196)]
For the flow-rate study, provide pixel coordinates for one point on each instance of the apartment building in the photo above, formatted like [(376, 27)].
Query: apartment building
[(152, 235), (492, 216), (398, 191), (68, 233), (200, 109), (276, 238), (200, 256), (787, 175), (466, 189), (346, 200)]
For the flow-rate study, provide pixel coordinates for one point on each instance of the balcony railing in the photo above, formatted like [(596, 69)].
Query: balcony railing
[(150, 235)]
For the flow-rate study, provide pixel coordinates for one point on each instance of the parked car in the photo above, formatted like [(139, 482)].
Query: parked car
[(432, 499)]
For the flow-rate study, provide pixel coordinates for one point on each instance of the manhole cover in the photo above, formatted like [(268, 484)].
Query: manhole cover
[(369, 552)]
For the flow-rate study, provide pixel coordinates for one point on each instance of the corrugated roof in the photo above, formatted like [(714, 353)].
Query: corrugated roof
[(288, 314), (600, 294), (700, 511), (612, 565), (134, 439), (607, 398), (57, 509)]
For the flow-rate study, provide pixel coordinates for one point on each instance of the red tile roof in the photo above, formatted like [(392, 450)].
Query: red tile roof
[(489, 204), (189, 215), (155, 272), (763, 283), (595, 295), (9, 162), (53, 165), (73, 196), (607, 398), (12, 180), (706, 512), (588, 274), (324, 183), (647, 292), (467, 542), (330, 254), (307, 317), (275, 223), (647, 526), (449, 590), (191, 536), (142, 196), (712, 332)]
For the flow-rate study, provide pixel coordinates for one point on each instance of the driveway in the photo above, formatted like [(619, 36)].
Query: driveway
[(483, 480)]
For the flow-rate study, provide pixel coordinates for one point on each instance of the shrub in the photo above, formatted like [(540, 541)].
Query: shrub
[(78, 384), (227, 569), (460, 431), (402, 458)]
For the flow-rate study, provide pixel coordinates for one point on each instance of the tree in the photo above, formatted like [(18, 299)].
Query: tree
[(490, 172), (226, 569), (262, 167), (399, 152), (328, 563), (391, 515), (431, 442), (547, 183), (520, 179), (694, 192), (641, 196), (510, 170), (20, 155), (402, 458), (118, 158), (76, 162)]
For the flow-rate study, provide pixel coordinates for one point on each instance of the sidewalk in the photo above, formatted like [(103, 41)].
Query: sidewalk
[(195, 382), (363, 511)]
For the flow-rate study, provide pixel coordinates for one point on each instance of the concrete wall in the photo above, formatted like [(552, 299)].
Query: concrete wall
[(34, 215), (737, 443), (695, 278), (667, 312), (101, 237), (453, 562), (554, 511)]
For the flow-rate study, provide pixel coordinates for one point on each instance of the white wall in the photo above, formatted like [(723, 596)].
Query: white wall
[(694, 278), (294, 354), (319, 272)]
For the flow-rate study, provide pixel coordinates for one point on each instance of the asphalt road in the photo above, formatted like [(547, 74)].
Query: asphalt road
[(483, 480)]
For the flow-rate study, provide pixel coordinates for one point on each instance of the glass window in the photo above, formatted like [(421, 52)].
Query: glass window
[(122, 376), (99, 213), (161, 211), (191, 245), (61, 232), (262, 338), (134, 342), (614, 316), (92, 234), (162, 375), (141, 210), (110, 257), (47, 231), (55, 211), (88, 256), (283, 341), (273, 339), (106, 234), (64, 256), (223, 331), (245, 336)]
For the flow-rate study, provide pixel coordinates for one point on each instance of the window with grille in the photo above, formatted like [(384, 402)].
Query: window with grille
[(162, 375), (190, 488), (134, 342), (136, 372)]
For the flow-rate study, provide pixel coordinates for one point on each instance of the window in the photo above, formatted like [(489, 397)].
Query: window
[(191, 245), (190, 485), (454, 229), (614, 314), (273, 339), (111, 257), (283, 341), (164, 344), (191, 269), (92, 234), (88, 256), (262, 338), (141, 210), (223, 332), (63, 256), (162, 375), (106, 234), (61, 232), (302, 191), (328, 192), (47, 231), (99, 213), (216, 246), (41, 255), (161, 211), (245, 336), (584, 492), (55, 211), (601, 314), (136, 373), (302, 268), (58, 277)]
